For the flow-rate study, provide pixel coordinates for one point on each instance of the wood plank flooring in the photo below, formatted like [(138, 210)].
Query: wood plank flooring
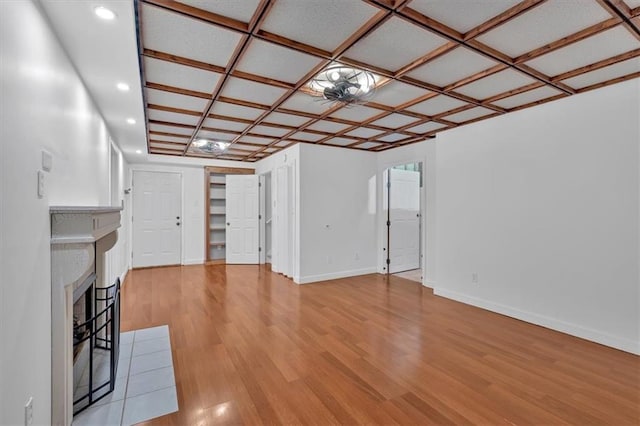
[(251, 347)]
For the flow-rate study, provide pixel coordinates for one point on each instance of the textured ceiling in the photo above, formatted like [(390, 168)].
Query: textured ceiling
[(236, 70)]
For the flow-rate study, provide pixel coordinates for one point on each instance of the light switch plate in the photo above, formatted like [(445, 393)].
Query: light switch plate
[(40, 184), (47, 161)]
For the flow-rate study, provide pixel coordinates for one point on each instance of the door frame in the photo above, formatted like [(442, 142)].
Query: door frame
[(182, 217), (383, 217)]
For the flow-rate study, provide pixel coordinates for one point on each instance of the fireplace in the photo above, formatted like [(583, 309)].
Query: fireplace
[(84, 308)]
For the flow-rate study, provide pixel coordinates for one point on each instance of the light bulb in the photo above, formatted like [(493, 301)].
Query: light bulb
[(200, 143), (104, 13), (334, 75)]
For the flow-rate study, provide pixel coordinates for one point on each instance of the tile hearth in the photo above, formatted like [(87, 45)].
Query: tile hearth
[(145, 386)]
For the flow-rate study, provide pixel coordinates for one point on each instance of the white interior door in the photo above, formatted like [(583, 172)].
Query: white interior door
[(157, 218), (404, 214), (242, 219)]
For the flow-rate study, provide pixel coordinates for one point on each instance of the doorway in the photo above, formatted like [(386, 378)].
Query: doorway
[(403, 206), (266, 216), (157, 218)]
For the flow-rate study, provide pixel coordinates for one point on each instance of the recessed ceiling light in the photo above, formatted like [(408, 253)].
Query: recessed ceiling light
[(200, 142), (123, 87), (138, 151), (104, 13), (131, 121)]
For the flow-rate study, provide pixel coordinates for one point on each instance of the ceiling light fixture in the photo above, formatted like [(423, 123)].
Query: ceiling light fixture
[(104, 13), (131, 121), (339, 83), (123, 87), (209, 147)]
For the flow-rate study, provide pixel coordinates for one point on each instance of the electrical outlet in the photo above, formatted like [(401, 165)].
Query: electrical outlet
[(474, 278), (28, 412)]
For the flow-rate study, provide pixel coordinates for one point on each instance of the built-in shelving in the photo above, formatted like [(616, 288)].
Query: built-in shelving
[(216, 206)]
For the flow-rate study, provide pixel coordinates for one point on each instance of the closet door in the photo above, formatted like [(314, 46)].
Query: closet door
[(242, 219)]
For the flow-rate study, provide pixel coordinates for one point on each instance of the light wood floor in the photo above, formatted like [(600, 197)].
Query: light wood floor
[(251, 347)]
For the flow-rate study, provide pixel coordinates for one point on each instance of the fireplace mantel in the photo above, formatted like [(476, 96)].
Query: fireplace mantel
[(80, 236), (82, 224)]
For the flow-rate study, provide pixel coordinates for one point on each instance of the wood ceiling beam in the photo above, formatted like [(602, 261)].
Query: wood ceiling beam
[(177, 90), (182, 61), (619, 8), (610, 82), (566, 41), (597, 65), (477, 76), (508, 93), (173, 135), (434, 54), (259, 15), (174, 110), (167, 143), (170, 124), (502, 18), (200, 14)]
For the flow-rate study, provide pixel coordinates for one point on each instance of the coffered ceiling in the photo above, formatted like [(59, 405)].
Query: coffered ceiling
[(237, 70)]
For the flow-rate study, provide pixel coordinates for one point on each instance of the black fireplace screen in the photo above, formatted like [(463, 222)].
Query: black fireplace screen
[(96, 346)]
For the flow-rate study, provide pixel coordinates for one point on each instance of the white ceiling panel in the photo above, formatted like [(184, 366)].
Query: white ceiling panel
[(304, 136), (217, 136), (328, 126), (176, 75), (160, 97), (368, 145), (437, 105), (426, 127), (256, 139), (339, 141), (356, 113), (157, 145), (286, 119), (165, 138), (247, 90), (306, 103), (495, 84), (224, 124), (601, 46), (469, 114), (393, 121), (172, 117), (544, 24), (284, 143), (277, 62), (632, 3), (396, 93), (271, 149), (527, 97), (364, 132), (170, 129), (238, 10), (190, 38), (324, 24), (454, 66), (381, 48), (238, 111), (271, 131), (393, 137), (240, 145), (462, 15), (620, 69)]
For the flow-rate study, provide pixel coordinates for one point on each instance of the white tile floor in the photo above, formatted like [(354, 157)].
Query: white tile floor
[(145, 385)]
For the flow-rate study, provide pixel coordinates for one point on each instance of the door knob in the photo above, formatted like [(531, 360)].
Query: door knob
[(177, 223), (228, 224), (177, 217)]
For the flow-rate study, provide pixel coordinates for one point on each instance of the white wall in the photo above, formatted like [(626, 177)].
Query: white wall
[(44, 106), (337, 214), (424, 152), (543, 205)]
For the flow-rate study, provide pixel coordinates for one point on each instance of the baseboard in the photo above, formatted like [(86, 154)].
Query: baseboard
[(193, 261), (334, 275), (429, 284), (544, 321)]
